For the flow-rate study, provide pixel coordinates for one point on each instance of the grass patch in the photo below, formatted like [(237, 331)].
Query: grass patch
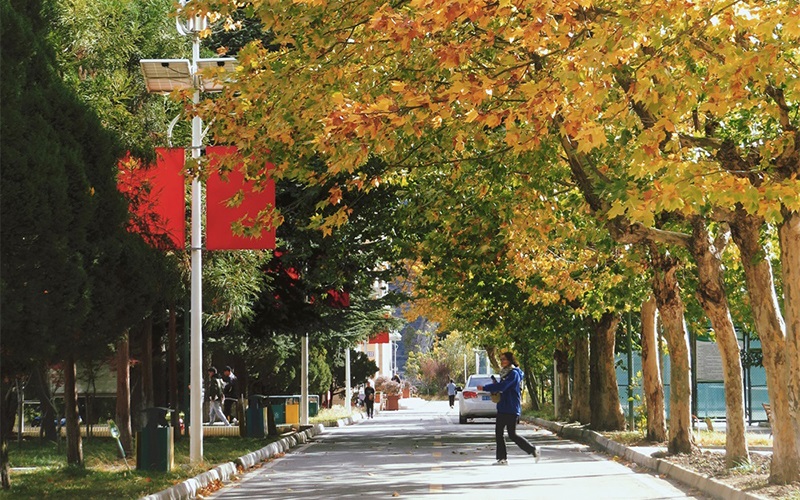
[(709, 438), (546, 412), (105, 475), (702, 438), (331, 414), (628, 438)]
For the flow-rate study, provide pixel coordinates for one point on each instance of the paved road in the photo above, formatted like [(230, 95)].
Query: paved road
[(422, 451)]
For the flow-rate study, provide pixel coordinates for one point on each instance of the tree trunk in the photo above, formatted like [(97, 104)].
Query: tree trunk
[(530, 378), (48, 424), (606, 411), (533, 389), (714, 300), (746, 231), (172, 355), (651, 375), (74, 443), (147, 363), (124, 394), (8, 407), (561, 359), (581, 409), (789, 233), (670, 306)]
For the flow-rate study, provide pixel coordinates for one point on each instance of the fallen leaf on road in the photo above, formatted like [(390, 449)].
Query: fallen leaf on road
[(395, 494)]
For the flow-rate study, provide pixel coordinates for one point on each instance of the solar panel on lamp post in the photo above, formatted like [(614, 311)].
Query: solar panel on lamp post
[(163, 76)]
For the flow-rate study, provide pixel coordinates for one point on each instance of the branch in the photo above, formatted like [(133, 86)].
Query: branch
[(723, 215), (723, 238), (707, 143), (777, 95), (622, 232)]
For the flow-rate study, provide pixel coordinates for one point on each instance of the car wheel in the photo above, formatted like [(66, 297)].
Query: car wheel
[(462, 419)]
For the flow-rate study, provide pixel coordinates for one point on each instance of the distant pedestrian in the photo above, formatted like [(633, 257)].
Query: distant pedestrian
[(369, 400), (509, 408), (451, 393), (230, 393), (214, 395), (396, 378)]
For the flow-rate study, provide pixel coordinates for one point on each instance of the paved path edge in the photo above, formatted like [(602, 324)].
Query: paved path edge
[(188, 489), (707, 485)]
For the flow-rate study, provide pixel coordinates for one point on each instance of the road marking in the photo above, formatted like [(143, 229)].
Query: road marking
[(436, 469), (437, 454)]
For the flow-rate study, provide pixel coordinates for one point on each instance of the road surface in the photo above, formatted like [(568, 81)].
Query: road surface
[(423, 452)]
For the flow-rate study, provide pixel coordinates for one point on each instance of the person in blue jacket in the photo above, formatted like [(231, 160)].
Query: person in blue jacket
[(509, 408)]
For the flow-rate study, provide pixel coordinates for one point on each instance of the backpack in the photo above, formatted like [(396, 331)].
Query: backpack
[(215, 388)]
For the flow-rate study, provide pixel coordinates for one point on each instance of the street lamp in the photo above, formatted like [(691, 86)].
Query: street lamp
[(163, 76)]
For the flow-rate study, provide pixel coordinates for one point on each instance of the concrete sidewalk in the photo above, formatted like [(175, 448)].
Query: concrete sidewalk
[(642, 455)]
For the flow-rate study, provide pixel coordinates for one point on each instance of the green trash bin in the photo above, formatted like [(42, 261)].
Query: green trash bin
[(155, 443), (256, 416), (313, 406), (278, 410)]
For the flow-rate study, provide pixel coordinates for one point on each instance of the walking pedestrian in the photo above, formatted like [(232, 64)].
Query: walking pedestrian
[(369, 400), (214, 395), (509, 408), (451, 393), (230, 393)]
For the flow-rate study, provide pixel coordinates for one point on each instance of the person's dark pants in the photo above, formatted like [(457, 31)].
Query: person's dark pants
[(452, 400), (370, 408), (510, 421), (227, 408)]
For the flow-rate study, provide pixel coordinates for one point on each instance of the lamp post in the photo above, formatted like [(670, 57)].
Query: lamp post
[(348, 391), (163, 76), (394, 337)]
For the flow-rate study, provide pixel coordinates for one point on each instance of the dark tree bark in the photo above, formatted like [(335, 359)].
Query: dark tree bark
[(8, 408), (148, 392), (606, 411), (561, 359), (530, 378), (581, 408), (48, 423), (74, 442)]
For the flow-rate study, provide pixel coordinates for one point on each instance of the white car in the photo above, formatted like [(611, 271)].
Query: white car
[(473, 403)]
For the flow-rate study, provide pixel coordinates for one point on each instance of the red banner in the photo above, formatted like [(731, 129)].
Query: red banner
[(338, 299), (156, 197), (379, 338), (220, 217)]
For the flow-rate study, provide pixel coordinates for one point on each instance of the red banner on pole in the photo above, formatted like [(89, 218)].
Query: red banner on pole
[(338, 299), (220, 216), (379, 338), (156, 197)]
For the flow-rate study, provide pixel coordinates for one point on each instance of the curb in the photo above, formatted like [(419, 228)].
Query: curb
[(344, 422), (707, 485), (224, 472)]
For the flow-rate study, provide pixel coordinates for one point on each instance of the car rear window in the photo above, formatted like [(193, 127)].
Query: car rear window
[(476, 381)]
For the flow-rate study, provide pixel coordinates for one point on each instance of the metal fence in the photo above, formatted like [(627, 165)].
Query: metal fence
[(708, 390)]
